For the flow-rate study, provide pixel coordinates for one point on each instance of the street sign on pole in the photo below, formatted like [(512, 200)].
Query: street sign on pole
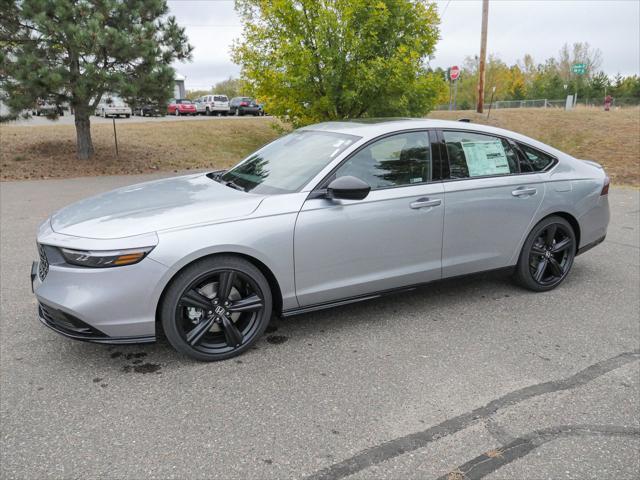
[(579, 68), (454, 72)]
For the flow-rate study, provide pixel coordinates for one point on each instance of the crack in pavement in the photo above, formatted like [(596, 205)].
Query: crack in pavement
[(418, 440), (489, 462)]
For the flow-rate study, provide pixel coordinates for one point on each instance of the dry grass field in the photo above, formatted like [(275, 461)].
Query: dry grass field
[(48, 151), (610, 138)]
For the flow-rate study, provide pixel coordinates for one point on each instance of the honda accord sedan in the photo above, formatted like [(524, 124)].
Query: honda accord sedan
[(329, 214)]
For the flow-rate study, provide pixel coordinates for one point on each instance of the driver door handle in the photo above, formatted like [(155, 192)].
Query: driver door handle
[(425, 202)]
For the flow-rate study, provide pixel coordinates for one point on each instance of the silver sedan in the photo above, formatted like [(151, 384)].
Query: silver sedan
[(329, 214)]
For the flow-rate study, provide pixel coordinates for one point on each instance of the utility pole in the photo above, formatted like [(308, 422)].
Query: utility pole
[(483, 55)]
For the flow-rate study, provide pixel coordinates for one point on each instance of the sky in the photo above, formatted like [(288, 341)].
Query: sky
[(516, 27)]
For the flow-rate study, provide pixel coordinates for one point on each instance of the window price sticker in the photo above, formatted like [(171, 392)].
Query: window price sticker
[(486, 158)]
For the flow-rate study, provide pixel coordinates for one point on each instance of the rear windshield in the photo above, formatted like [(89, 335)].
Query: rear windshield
[(219, 98)]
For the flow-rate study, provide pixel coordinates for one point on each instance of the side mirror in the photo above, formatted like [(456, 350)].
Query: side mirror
[(348, 188)]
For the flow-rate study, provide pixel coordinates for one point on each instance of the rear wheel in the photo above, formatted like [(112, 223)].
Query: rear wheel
[(216, 308), (547, 255)]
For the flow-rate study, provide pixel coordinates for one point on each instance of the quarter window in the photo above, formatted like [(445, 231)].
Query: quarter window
[(402, 159), (477, 155), (538, 160)]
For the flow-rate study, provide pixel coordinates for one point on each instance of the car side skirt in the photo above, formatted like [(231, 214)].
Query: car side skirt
[(382, 293)]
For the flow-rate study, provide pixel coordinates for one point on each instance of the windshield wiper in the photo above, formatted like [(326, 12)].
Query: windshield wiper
[(217, 177), (231, 184)]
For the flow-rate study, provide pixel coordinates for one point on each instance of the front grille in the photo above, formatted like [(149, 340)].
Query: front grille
[(43, 266)]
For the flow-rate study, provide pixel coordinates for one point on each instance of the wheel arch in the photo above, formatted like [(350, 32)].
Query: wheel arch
[(276, 291), (573, 221)]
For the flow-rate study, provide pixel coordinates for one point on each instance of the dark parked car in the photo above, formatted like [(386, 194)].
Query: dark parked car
[(148, 110), (244, 106)]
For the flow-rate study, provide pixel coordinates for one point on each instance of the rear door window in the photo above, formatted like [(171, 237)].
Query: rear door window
[(537, 160), (477, 155)]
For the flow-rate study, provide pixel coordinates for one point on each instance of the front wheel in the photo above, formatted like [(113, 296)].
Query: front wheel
[(216, 308), (547, 255)]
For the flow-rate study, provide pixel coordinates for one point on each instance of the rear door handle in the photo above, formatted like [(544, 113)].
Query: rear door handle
[(425, 202), (524, 191)]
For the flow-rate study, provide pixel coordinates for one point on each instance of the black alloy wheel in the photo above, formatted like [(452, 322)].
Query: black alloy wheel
[(216, 308), (547, 255)]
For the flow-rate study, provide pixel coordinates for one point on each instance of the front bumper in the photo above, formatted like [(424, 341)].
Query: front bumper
[(105, 305), (72, 327)]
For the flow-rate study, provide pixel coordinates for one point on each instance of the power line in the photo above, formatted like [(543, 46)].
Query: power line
[(445, 9)]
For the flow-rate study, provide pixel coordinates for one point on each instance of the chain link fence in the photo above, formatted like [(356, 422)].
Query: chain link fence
[(546, 103)]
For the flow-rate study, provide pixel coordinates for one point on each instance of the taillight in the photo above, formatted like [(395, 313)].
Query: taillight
[(244, 104), (605, 187)]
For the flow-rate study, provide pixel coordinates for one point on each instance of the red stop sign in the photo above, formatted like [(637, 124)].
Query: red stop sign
[(454, 72)]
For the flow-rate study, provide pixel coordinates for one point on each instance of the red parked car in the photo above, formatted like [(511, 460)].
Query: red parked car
[(181, 106)]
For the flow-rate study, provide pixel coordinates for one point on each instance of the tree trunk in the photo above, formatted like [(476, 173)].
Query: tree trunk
[(84, 145)]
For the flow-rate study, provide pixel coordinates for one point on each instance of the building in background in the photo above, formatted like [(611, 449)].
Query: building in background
[(178, 88)]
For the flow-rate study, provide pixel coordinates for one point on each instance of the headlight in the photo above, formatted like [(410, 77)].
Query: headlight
[(102, 259)]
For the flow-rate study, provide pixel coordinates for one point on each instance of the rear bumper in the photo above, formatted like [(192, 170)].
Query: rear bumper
[(117, 111), (589, 246), (249, 109)]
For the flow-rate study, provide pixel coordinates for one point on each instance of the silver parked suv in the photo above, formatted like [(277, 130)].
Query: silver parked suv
[(215, 104)]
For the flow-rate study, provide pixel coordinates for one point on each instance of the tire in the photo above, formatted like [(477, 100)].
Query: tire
[(221, 332), (127, 116), (547, 255)]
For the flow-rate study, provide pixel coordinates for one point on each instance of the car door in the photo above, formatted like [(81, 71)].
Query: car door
[(390, 239), (490, 202)]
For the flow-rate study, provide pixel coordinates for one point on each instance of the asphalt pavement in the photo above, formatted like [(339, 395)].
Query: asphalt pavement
[(468, 378)]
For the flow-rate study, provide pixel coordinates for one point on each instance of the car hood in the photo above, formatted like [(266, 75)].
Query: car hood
[(153, 206)]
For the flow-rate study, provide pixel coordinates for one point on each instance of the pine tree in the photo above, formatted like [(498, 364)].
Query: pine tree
[(75, 51)]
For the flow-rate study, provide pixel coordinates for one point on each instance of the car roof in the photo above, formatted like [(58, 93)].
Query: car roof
[(368, 128)]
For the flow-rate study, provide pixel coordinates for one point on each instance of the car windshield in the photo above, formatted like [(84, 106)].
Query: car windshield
[(289, 163)]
